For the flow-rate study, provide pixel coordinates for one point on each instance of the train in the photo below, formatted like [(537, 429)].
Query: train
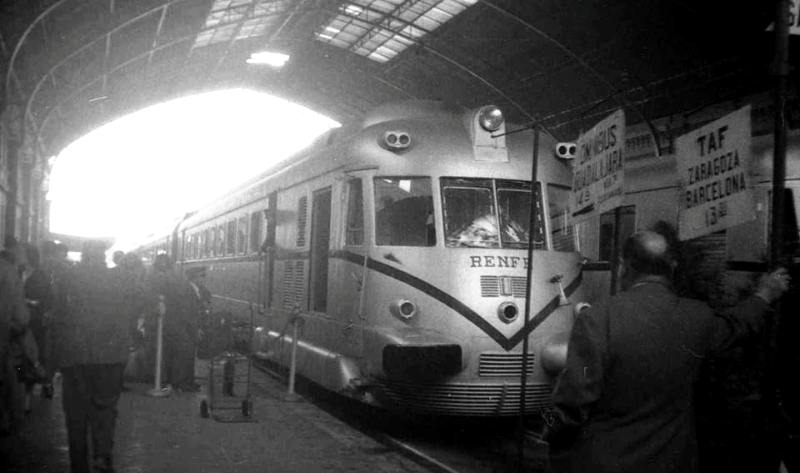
[(399, 247)]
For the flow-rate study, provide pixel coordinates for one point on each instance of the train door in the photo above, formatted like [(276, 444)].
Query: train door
[(320, 241), (348, 270)]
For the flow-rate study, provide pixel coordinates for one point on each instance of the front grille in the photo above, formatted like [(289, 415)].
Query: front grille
[(464, 399), (503, 364), (496, 286)]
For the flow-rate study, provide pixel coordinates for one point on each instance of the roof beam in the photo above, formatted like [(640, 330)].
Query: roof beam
[(575, 57), (87, 45), (250, 9), (158, 33), (10, 71), (88, 84)]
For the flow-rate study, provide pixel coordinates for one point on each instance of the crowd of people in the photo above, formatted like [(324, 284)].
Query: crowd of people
[(83, 321), (628, 400)]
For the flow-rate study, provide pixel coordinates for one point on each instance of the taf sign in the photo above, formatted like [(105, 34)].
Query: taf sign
[(597, 178), (713, 170)]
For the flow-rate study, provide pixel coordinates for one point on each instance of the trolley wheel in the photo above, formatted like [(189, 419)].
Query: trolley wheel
[(204, 412), (247, 407)]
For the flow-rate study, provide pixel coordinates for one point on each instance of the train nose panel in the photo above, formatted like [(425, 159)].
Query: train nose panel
[(421, 362)]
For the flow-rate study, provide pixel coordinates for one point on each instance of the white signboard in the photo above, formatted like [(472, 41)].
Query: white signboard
[(713, 170), (597, 176)]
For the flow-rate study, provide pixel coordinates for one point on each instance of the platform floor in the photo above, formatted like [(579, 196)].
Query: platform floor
[(156, 435)]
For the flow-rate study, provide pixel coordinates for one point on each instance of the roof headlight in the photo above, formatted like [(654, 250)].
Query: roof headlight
[(491, 118)]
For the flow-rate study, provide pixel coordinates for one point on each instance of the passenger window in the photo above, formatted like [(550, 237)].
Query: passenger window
[(256, 224), (355, 213), (241, 236), (230, 238), (562, 233), (404, 211), (221, 240)]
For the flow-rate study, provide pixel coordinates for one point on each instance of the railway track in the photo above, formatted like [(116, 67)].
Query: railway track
[(440, 444)]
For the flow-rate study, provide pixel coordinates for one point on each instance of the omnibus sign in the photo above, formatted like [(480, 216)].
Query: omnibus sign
[(597, 176)]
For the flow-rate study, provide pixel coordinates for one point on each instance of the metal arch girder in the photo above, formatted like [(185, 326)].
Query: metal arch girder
[(534, 119), (575, 57), (84, 47), (86, 85), (239, 26)]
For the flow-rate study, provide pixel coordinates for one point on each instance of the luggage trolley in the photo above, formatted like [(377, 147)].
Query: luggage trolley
[(230, 370)]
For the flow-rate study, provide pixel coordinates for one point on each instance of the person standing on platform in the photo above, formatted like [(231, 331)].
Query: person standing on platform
[(94, 331), (625, 400), (14, 318), (39, 297), (180, 323)]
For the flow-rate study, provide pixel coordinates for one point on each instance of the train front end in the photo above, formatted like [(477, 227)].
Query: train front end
[(445, 293)]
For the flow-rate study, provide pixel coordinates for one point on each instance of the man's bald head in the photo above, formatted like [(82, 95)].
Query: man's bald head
[(648, 253)]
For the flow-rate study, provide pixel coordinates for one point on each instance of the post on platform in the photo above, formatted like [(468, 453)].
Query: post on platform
[(290, 394), (158, 390)]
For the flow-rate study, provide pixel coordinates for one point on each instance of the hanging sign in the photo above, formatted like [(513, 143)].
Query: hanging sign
[(597, 176), (713, 170)]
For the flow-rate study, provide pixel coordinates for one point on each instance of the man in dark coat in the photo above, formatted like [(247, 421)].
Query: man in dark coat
[(93, 335), (180, 322), (624, 402)]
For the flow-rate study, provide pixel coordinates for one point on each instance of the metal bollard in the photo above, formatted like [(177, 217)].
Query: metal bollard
[(157, 390), (290, 394)]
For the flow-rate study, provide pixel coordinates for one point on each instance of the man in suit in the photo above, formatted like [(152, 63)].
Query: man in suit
[(624, 402), (94, 332)]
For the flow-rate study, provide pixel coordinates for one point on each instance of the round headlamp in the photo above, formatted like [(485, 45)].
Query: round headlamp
[(403, 309), (490, 118), (507, 312)]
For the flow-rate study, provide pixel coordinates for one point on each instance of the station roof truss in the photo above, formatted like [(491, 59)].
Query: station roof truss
[(72, 65)]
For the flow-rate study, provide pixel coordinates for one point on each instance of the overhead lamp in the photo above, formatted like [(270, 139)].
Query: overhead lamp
[(269, 58)]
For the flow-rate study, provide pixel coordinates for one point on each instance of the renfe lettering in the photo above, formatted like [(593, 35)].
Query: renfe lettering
[(492, 261)]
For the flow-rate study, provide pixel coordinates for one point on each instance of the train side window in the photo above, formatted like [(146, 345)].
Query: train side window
[(230, 238), (404, 211), (241, 236), (221, 240), (256, 226), (627, 226), (355, 213), (562, 233)]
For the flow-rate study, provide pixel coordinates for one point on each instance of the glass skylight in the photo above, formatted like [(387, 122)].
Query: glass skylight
[(240, 19), (381, 29)]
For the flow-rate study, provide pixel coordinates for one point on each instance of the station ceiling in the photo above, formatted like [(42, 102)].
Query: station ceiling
[(73, 65)]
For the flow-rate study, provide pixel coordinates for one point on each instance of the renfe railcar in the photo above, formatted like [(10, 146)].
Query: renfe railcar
[(402, 245)]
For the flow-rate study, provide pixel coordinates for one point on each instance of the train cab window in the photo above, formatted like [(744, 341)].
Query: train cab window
[(562, 233), (470, 219), (514, 208), (486, 213), (355, 213), (404, 211)]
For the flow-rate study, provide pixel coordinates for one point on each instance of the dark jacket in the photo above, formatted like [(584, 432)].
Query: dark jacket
[(96, 323), (625, 401)]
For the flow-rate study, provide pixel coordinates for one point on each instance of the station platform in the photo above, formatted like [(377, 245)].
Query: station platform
[(168, 435)]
